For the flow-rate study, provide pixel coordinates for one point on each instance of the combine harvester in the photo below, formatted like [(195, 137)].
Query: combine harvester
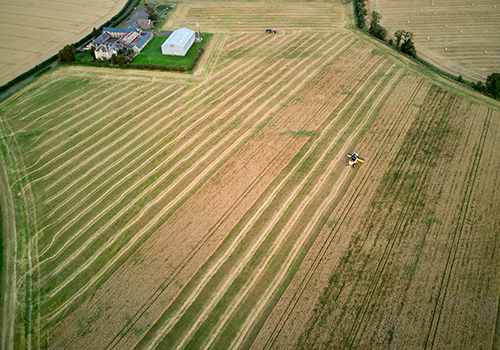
[(354, 159)]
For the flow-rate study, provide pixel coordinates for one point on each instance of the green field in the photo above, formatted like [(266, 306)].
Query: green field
[(151, 54)]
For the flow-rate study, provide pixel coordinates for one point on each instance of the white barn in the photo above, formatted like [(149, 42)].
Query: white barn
[(179, 42)]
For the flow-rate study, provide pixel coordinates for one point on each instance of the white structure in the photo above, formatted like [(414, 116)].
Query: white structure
[(179, 42)]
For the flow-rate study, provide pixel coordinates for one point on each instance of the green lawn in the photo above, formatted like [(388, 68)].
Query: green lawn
[(152, 53), (87, 56)]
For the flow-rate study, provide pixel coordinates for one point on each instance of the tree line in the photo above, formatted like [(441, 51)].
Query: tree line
[(404, 44)]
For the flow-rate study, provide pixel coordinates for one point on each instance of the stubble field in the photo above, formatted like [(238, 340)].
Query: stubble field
[(171, 211), (458, 36), (33, 31)]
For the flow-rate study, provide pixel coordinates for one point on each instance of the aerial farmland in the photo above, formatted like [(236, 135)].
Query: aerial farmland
[(213, 210), (33, 31), (459, 36)]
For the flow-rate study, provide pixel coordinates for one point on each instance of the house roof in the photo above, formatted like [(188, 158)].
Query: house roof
[(100, 39), (180, 37), (144, 39)]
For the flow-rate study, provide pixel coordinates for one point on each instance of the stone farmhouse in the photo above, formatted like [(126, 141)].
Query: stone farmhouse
[(113, 39)]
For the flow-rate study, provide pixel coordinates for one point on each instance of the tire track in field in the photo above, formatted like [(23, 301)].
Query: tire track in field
[(296, 216), (42, 89), (53, 111), (211, 57), (329, 239), (230, 98), (9, 290), (183, 193), (206, 97), (199, 146), (450, 261), (242, 37), (244, 231), (33, 299), (279, 104), (101, 139), (63, 115), (181, 108), (130, 131), (44, 106), (187, 259), (407, 156), (398, 190), (411, 198), (75, 116), (81, 131), (314, 220), (137, 168)]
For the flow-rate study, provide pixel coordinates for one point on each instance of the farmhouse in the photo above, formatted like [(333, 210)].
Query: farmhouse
[(113, 39), (179, 42)]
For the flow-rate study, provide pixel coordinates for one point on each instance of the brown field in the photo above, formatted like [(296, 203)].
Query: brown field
[(458, 36), (215, 210), (33, 31)]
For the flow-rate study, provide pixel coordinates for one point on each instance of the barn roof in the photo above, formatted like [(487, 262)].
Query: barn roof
[(141, 42), (180, 37)]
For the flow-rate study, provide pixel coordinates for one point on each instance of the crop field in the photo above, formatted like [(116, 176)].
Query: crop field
[(255, 17), (158, 210), (458, 36), (33, 31)]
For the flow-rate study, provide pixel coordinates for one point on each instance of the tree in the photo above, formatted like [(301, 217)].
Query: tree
[(92, 52), (120, 60), (96, 32), (493, 85), (408, 48), (67, 54), (151, 13), (375, 28), (361, 12), (403, 35), (398, 35), (113, 59)]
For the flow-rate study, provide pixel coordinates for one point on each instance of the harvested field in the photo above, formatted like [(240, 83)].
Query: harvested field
[(206, 211), (33, 31), (255, 17), (460, 37)]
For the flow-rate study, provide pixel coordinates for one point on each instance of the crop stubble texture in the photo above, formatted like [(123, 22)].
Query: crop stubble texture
[(218, 212)]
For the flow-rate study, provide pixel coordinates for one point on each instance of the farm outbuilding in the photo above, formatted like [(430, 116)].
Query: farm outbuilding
[(179, 42)]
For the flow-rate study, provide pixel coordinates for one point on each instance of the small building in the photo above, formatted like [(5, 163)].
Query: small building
[(146, 23), (179, 42), (137, 47)]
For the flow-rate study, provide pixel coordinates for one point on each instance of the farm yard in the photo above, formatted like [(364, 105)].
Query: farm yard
[(161, 210), (33, 31), (458, 36)]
